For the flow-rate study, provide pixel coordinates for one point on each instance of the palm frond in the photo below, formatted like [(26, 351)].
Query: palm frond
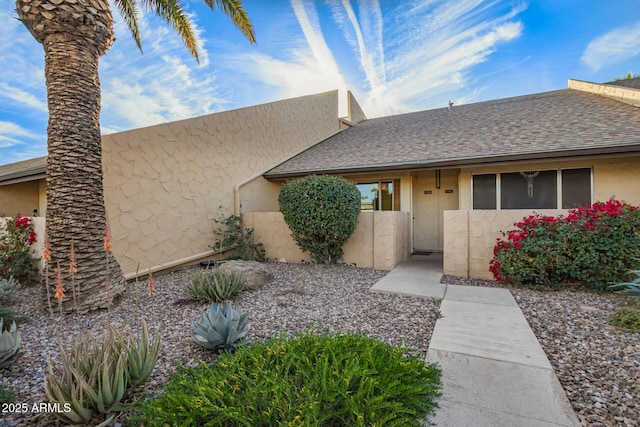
[(234, 10), (129, 11), (172, 13)]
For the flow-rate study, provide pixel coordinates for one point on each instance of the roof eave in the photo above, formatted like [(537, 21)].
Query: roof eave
[(459, 161), (25, 175)]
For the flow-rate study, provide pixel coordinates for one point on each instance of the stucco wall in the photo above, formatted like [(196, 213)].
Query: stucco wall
[(19, 199), (164, 184), (470, 236), (381, 239)]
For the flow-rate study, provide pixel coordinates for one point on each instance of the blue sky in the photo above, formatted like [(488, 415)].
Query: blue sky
[(395, 56)]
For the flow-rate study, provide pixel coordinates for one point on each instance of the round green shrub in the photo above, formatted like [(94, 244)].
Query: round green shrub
[(322, 213), (593, 247), (307, 380)]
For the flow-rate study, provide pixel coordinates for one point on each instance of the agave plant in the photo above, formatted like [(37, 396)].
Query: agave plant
[(220, 327), (629, 288), (9, 344)]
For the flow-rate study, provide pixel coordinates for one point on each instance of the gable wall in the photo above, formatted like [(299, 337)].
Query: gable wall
[(165, 184)]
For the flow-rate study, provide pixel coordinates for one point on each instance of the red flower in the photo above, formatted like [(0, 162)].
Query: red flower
[(32, 237)]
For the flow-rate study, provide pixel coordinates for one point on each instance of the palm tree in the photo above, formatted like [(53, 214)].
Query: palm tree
[(74, 34)]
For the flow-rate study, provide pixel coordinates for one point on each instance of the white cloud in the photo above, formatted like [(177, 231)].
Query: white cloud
[(163, 84), (15, 130), (433, 53), (26, 99), (615, 46), (425, 51)]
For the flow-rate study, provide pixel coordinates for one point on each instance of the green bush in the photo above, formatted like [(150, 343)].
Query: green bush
[(215, 285), (234, 236), (590, 247), (307, 380), (16, 254), (322, 213), (627, 318)]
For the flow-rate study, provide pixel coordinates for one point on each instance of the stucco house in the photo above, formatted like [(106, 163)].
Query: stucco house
[(447, 179)]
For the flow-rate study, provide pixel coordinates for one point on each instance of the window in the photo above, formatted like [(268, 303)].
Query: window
[(379, 196), (548, 189), (484, 191), (529, 190), (576, 188)]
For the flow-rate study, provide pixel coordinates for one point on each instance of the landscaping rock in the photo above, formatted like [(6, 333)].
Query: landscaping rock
[(256, 274)]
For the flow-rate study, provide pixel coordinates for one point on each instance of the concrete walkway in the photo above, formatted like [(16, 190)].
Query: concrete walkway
[(494, 371)]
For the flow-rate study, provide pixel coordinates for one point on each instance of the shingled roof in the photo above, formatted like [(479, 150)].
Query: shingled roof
[(562, 123)]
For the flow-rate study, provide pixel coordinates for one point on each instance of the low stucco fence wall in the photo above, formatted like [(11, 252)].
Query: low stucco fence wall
[(470, 235), (381, 239)]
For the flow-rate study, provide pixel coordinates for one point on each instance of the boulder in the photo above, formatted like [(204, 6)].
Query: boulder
[(256, 274)]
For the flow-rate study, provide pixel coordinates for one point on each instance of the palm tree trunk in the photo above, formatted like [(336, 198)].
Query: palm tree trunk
[(74, 35)]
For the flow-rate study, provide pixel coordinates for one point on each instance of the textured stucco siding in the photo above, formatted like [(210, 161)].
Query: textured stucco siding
[(470, 236), (381, 239), (165, 184), (19, 199)]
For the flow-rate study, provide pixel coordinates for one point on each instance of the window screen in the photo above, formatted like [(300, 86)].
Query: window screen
[(484, 191), (529, 190), (576, 188)]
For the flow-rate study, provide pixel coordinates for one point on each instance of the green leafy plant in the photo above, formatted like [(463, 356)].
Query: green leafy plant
[(306, 380), (9, 344), (16, 255), (220, 327), (93, 377), (215, 285), (233, 235), (627, 318), (592, 246), (322, 213), (8, 284), (9, 316), (7, 396)]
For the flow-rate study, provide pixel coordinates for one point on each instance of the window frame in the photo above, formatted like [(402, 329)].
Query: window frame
[(559, 172), (379, 183)]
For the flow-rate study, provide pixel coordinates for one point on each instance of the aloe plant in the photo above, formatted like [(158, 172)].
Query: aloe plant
[(9, 344), (215, 285), (93, 377), (141, 360), (220, 327)]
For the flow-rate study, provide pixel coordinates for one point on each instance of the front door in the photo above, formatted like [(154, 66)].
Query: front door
[(429, 203)]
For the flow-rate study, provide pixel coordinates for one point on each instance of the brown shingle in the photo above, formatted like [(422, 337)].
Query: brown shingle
[(557, 123)]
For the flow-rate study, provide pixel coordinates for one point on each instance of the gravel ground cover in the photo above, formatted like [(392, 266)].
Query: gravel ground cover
[(335, 298), (597, 363)]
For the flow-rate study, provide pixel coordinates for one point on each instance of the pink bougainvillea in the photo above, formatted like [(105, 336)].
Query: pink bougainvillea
[(591, 245)]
